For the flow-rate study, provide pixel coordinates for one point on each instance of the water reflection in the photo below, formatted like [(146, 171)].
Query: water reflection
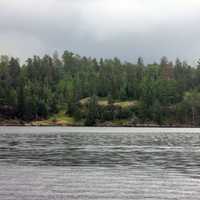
[(139, 150)]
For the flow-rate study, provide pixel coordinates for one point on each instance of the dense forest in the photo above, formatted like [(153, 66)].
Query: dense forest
[(98, 91)]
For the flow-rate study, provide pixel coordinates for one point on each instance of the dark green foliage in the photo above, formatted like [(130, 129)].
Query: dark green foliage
[(156, 112), (93, 111), (107, 113), (21, 101), (42, 109), (45, 85), (189, 109)]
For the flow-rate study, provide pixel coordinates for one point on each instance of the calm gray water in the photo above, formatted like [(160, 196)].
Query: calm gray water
[(99, 163)]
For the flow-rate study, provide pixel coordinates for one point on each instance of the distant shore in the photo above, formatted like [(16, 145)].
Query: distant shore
[(46, 123)]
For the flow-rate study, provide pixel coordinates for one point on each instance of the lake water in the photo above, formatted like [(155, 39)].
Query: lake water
[(99, 163)]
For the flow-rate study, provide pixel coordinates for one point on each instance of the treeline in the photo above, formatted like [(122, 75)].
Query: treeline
[(165, 92)]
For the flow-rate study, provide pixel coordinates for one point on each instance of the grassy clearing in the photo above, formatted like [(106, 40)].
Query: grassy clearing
[(104, 102), (126, 104), (119, 122), (59, 119), (84, 101)]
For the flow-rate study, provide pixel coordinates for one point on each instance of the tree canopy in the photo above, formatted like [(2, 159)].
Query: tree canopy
[(166, 92)]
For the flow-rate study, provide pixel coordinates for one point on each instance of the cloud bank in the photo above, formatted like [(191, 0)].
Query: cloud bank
[(101, 28)]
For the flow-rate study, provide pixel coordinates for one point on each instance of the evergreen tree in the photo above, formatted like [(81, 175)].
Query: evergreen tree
[(93, 112)]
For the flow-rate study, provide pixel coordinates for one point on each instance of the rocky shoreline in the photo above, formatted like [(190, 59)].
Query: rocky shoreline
[(16, 122)]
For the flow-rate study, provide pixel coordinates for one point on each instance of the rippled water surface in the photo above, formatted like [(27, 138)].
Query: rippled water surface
[(99, 163)]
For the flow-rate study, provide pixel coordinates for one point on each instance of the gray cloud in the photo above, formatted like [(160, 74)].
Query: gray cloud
[(101, 28)]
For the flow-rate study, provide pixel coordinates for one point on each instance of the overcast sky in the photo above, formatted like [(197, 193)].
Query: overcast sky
[(101, 28)]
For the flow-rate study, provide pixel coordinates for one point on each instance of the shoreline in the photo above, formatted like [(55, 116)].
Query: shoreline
[(100, 126), (49, 123)]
